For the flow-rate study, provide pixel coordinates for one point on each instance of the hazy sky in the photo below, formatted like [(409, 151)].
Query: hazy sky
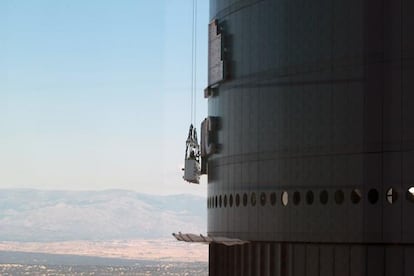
[(96, 94)]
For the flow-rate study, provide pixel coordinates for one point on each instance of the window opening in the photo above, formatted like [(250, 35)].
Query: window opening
[(339, 197), (245, 200), (285, 198), (296, 198), (392, 196), (410, 194), (373, 196), (273, 198), (356, 196), (263, 199), (323, 197), (253, 199), (309, 197), (237, 200)]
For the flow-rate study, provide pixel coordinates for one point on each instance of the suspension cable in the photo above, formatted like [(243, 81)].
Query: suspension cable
[(194, 63)]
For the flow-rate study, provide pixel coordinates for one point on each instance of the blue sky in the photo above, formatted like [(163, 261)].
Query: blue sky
[(96, 94)]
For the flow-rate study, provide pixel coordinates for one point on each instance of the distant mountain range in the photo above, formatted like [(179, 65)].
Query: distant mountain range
[(44, 216)]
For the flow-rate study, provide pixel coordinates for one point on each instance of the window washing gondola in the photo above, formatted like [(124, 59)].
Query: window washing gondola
[(192, 157)]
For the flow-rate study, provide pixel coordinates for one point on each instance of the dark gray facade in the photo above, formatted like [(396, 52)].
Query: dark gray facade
[(316, 138)]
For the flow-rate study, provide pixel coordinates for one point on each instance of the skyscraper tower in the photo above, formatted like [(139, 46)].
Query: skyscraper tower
[(309, 143)]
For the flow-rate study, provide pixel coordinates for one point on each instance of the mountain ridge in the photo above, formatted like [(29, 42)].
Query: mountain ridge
[(58, 215)]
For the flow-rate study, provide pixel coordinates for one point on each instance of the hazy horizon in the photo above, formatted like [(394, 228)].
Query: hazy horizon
[(114, 189)]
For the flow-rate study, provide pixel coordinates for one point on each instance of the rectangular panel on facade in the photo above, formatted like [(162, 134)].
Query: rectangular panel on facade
[(326, 261), (215, 61), (342, 260), (312, 260), (394, 260), (358, 259), (375, 260)]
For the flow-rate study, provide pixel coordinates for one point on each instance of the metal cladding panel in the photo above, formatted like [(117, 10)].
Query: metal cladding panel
[(316, 122), (407, 27), (312, 260), (375, 260), (341, 262), (299, 259), (358, 260), (407, 105), (408, 261), (394, 261), (326, 262)]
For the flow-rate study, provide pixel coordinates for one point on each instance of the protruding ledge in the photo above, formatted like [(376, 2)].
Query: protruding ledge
[(187, 237)]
